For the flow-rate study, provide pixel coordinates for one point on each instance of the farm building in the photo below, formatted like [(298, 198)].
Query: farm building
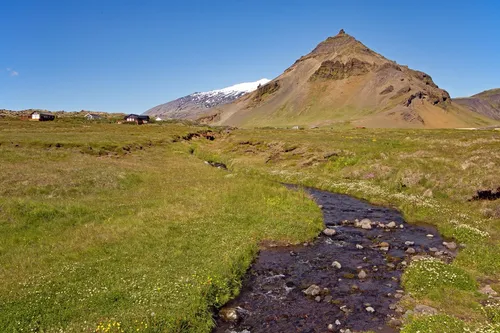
[(138, 119), (92, 116), (41, 116)]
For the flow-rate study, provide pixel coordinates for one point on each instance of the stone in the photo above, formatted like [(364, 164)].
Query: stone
[(336, 265), (362, 275), (364, 224), (313, 290), (450, 245), (331, 328), (409, 243), (384, 244), (359, 247), (395, 322), (393, 307), (328, 299), (391, 225), (229, 314), (318, 299), (488, 291), (337, 322), (425, 310), (410, 250), (370, 309), (430, 236), (329, 232), (433, 249)]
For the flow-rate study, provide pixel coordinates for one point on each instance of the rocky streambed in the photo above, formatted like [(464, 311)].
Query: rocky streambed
[(347, 280)]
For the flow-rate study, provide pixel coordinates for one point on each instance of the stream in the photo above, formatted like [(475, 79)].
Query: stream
[(346, 280)]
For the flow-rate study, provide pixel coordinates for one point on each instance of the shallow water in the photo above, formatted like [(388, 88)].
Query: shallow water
[(272, 297)]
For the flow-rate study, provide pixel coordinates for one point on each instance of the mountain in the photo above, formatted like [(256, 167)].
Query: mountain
[(199, 103), (486, 103), (342, 81)]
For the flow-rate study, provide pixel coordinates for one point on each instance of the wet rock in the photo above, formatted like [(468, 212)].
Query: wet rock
[(425, 310), (329, 232), (411, 250), (384, 244), (364, 224), (229, 314), (328, 299), (488, 291), (430, 236), (409, 243), (391, 225), (318, 299), (359, 247), (450, 245), (313, 290), (336, 265), (395, 322), (331, 328), (370, 309), (337, 322), (433, 249), (362, 275)]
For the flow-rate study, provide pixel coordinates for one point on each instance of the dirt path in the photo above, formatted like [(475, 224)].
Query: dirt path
[(346, 282)]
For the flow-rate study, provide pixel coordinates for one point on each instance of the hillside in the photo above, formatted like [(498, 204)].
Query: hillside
[(343, 81), (486, 103), (199, 103)]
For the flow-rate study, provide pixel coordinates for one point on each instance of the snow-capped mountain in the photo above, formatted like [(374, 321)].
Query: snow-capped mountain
[(194, 105)]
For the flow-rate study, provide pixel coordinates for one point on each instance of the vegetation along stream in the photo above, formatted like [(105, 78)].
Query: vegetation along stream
[(347, 280)]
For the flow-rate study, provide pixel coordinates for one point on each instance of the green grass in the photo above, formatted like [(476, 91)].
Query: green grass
[(146, 239), (429, 175)]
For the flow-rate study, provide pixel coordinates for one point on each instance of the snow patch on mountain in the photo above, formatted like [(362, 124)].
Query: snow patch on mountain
[(192, 106)]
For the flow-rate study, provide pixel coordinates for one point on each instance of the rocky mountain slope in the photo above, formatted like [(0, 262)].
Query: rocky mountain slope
[(343, 81), (486, 103), (199, 103)]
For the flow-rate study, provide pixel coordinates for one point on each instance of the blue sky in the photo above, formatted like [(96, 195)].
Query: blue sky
[(128, 56)]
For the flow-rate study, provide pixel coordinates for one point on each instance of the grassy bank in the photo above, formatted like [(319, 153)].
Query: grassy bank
[(430, 175), (116, 228)]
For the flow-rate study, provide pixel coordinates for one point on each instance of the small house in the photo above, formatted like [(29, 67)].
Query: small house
[(92, 116), (138, 119), (37, 116)]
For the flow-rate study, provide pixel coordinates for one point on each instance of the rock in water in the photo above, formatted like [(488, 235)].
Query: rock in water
[(229, 314), (336, 265), (329, 232), (362, 275), (313, 290)]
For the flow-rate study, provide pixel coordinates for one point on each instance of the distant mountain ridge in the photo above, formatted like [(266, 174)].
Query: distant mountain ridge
[(194, 105), (486, 103), (344, 82)]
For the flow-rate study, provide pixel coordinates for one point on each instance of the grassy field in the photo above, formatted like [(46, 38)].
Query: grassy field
[(122, 228), (116, 228), (430, 175)]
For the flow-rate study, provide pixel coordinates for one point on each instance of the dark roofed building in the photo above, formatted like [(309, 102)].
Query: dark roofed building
[(41, 116), (138, 119)]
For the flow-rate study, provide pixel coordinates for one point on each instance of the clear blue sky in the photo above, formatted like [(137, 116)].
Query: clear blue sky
[(128, 56)]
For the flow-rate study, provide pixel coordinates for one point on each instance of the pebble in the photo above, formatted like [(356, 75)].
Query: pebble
[(337, 322), (409, 243), (450, 246), (391, 225), (318, 299), (336, 265), (329, 232), (370, 309), (425, 310), (331, 328), (362, 275), (229, 314), (430, 236), (365, 224), (359, 247), (487, 290), (410, 250), (328, 299), (433, 249), (313, 290)]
